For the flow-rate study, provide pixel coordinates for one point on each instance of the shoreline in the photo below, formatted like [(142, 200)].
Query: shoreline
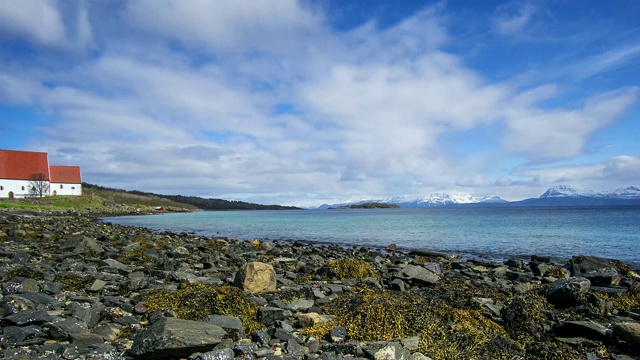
[(78, 287)]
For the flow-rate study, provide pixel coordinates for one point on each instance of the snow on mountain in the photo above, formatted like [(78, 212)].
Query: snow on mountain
[(431, 200), (630, 192)]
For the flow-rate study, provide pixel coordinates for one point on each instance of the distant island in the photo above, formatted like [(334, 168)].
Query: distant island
[(369, 205)]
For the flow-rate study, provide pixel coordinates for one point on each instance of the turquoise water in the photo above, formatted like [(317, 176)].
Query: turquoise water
[(492, 233)]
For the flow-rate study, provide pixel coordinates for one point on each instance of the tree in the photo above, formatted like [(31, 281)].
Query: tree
[(39, 185)]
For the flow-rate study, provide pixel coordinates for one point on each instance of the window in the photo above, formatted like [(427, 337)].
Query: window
[(23, 188), (73, 188), (60, 186), (1, 187)]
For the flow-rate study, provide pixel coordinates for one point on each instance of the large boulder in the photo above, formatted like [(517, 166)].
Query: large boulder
[(567, 292), (256, 277), (176, 338), (628, 331)]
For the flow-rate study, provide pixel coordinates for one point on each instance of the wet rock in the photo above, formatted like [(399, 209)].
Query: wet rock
[(172, 337), (256, 277), (567, 292), (24, 335), (628, 332)]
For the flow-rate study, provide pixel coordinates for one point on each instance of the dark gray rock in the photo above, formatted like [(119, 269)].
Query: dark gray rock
[(24, 335), (418, 274), (604, 277), (218, 354), (586, 329), (231, 324), (580, 265), (172, 337), (567, 292), (29, 317), (519, 276), (268, 315), (628, 332), (338, 334)]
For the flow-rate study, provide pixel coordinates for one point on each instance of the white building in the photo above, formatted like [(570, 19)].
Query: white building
[(21, 171)]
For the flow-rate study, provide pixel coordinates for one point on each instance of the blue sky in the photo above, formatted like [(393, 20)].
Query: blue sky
[(310, 102)]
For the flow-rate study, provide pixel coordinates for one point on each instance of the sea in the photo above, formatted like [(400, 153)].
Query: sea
[(486, 233)]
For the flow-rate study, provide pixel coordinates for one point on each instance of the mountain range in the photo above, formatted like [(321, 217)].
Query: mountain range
[(561, 195)]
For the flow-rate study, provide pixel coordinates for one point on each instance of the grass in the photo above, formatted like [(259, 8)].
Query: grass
[(95, 199)]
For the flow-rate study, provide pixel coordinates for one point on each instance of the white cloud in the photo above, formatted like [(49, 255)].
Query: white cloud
[(39, 21), (512, 18), (620, 171), (227, 25), (548, 134), (263, 100)]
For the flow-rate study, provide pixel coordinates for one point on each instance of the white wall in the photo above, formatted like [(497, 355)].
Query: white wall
[(20, 188), (65, 189)]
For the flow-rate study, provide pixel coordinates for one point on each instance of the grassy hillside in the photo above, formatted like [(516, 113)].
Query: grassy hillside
[(98, 199)]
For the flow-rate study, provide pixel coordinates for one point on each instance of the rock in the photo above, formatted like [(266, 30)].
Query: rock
[(392, 351), (628, 332), (218, 354), (518, 276), (62, 330), (338, 334), (256, 277), (586, 329), (29, 317), (580, 265), (172, 337), (269, 315), (312, 319), (300, 304), (231, 324), (419, 275), (567, 292), (603, 277), (82, 245)]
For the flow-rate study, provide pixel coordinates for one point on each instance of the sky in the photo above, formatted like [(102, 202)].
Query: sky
[(326, 101)]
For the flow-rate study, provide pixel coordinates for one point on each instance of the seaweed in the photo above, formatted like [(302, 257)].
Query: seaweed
[(197, 301)]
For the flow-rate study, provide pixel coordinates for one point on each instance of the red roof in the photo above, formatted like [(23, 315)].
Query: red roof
[(65, 174), (23, 165)]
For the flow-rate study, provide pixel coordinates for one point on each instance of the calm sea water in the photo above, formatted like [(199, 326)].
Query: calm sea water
[(491, 233)]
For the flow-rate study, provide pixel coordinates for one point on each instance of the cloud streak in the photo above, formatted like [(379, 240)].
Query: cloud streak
[(271, 102)]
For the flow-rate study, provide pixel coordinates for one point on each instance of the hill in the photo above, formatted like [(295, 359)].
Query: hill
[(105, 201)]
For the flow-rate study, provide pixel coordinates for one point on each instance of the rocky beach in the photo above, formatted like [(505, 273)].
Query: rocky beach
[(74, 287)]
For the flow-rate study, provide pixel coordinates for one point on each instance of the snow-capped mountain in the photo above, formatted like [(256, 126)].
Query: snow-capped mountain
[(431, 200), (630, 192), (565, 195)]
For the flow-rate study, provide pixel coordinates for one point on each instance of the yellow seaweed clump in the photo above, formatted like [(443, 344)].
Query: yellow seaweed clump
[(556, 272), (197, 301), (446, 332), (351, 268)]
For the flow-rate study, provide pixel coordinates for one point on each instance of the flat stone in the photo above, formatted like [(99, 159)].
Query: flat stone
[(29, 317), (585, 329), (172, 337), (62, 330), (300, 304), (419, 274), (231, 324)]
